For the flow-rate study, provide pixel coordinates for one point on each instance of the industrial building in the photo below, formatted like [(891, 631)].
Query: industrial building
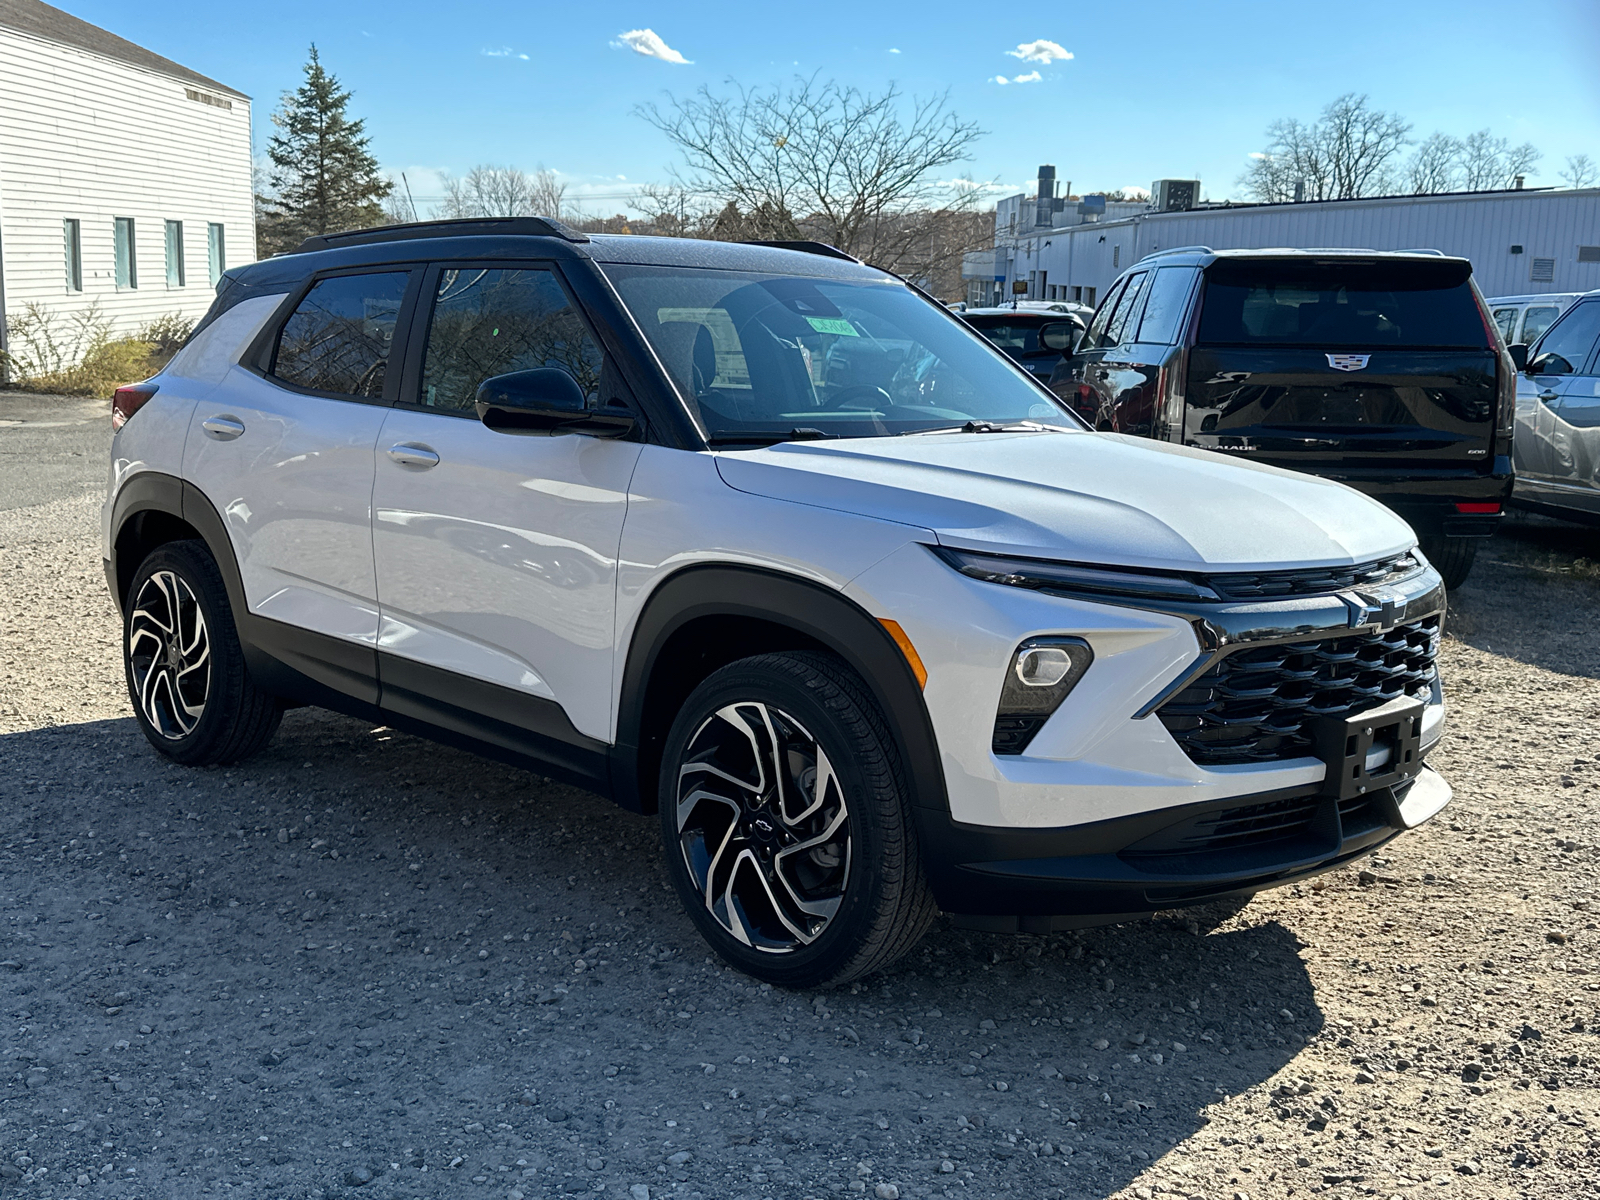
[(1524, 240)]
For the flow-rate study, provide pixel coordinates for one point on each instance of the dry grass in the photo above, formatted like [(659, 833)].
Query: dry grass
[(74, 354)]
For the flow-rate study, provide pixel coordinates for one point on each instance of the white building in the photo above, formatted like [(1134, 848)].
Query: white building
[(125, 179), (1519, 241)]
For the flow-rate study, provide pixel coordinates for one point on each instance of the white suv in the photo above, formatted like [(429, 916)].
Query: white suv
[(763, 540)]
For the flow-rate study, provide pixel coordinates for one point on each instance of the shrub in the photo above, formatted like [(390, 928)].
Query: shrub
[(73, 354)]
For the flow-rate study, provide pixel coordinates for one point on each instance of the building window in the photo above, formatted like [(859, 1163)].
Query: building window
[(127, 264), (1589, 254), (174, 253), (216, 252), (72, 235), (1088, 296)]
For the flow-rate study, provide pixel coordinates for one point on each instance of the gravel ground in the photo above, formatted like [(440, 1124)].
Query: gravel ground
[(365, 965)]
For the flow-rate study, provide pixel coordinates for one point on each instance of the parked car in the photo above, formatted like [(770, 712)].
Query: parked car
[(763, 541), (1378, 369), (1037, 340), (1522, 319), (1557, 447)]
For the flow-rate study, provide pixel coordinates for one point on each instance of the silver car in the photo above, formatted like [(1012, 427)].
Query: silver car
[(1557, 445)]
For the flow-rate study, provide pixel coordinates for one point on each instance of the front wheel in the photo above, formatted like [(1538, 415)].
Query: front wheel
[(1451, 557), (787, 823)]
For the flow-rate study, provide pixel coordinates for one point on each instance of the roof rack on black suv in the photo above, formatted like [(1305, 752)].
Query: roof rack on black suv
[(516, 226), (809, 247)]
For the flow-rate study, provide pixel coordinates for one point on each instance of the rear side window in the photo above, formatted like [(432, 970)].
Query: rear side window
[(1163, 310), (1567, 346), (1127, 315), (1341, 305), (338, 338), (1539, 318), (489, 322)]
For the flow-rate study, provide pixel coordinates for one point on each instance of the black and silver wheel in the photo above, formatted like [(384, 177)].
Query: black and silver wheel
[(187, 679), (786, 822)]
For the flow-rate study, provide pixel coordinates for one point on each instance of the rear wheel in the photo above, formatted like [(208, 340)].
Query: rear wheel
[(187, 679), (787, 823), (1451, 557)]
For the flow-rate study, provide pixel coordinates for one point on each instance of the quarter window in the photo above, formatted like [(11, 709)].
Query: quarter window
[(338, 338), (493, 321), (126, 259)]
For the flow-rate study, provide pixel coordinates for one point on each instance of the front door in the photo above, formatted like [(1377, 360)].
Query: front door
[(1553, 461), (286, 458), (497, 552)]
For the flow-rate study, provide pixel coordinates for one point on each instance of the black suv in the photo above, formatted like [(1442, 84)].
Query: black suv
[(1381, 370)]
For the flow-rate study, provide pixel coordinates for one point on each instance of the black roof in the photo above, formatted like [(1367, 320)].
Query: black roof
[(41, 20)]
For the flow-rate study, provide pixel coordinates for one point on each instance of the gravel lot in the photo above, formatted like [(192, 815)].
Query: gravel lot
[(366, 965)]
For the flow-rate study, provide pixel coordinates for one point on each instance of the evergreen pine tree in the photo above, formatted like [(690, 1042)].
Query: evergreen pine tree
[(324, 176)]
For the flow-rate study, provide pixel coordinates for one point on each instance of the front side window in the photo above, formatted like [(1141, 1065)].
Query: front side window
[(338, 338), (493, 321), (174, 253), (768, 357), (1126, 318), (1566, 347), (126, 260), (72, 235), (216, 252), (1102, 317), (1539, 318)]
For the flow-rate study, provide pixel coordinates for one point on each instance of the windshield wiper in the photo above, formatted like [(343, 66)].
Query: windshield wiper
[(986, 427), (768, 438)]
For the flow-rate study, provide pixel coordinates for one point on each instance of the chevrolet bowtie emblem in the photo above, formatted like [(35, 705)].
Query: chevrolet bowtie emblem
[(1380, 609)]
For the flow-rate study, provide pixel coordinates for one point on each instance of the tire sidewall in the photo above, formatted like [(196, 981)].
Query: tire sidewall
[(867, 805), (189, 563)]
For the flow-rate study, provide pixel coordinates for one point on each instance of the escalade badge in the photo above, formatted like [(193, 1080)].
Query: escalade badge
[(1349, 362)]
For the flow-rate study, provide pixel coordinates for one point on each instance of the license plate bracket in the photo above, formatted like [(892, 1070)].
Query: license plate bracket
[(1377, 748)]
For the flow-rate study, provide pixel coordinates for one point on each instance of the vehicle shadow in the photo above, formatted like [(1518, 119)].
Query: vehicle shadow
[(1519, 599), (376, 954)]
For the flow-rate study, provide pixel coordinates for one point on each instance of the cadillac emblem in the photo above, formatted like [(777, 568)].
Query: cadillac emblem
[(1349, 362)]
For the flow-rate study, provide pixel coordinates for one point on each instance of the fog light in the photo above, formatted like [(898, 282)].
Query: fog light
[(1043, 672)]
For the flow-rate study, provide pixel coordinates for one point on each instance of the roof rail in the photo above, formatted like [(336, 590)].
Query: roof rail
[(460, 227), (1180, 250), (1425, 250), (821, 248)]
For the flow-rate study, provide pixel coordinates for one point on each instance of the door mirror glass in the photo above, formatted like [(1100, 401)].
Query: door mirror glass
[(1549, 363), (545, 400), (1057, 335), (1519, 355)]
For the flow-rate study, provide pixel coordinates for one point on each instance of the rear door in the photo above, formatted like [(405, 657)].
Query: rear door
[(1342, 366), (497, 552)]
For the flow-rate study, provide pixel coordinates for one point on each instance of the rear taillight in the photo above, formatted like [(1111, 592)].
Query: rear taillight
[(126, 401), (1486, 507)]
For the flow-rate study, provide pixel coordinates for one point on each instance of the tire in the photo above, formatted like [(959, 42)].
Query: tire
[(806, 890), (1451, 557), (187, 679)]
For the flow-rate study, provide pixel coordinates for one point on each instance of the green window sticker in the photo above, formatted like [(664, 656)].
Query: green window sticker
[(836, 325)]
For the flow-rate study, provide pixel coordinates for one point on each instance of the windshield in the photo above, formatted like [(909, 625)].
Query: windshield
[(764, 358)]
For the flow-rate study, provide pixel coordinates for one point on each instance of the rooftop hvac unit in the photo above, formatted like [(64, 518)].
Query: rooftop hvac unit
[(1175, 195)]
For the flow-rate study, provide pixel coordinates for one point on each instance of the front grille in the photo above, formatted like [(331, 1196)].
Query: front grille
[(1313, 581), (1255, 705)]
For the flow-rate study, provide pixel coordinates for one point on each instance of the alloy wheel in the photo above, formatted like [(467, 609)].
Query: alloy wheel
[(169, 654), (763, 826)]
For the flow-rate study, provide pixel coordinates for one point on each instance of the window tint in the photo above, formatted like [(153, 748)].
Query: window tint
[(1163, 310), (489, 322), (1537, 320), (338, 339), (1127, 315), (1340, 305), (1566, 347), (1102, 317)]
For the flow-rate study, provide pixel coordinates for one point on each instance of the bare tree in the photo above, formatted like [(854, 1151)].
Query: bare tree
[(1580, 171), (1435, 166), (1349, 151), (819, 160), (1488, 162), (491, 191)]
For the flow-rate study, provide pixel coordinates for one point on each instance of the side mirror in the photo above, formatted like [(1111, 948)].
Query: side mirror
[(1057, 336), (545, 400), (1549, 363), (1519, 355)]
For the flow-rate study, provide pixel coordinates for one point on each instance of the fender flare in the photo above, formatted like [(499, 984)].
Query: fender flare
[(811, 611)]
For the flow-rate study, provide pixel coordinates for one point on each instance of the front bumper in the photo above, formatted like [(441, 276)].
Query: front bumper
[(1039, 880)]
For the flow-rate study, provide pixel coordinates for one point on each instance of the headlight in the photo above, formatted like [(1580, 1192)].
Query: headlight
[(1044, 575), (1041, 674)]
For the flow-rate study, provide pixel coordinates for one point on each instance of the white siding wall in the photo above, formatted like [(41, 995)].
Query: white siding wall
[(93, 138), (1480, 228)]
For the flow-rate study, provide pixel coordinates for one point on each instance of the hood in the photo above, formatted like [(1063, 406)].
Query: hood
[(1080, 497)]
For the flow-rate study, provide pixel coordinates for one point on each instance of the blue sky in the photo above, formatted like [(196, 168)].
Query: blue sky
[(1151, 90)]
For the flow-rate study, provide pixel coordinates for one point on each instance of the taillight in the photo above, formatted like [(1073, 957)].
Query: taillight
[(1478, 506), (126, 401)]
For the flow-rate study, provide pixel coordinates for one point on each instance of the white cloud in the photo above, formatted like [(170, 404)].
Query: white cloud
[(1134, 192), (893, 50), (1030, 77), (1041, 51), (1257, 154), (648, 43), (502, 52)]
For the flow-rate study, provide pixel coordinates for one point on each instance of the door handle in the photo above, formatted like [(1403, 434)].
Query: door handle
[(224, 429), (414, 454), (1549, 394)]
